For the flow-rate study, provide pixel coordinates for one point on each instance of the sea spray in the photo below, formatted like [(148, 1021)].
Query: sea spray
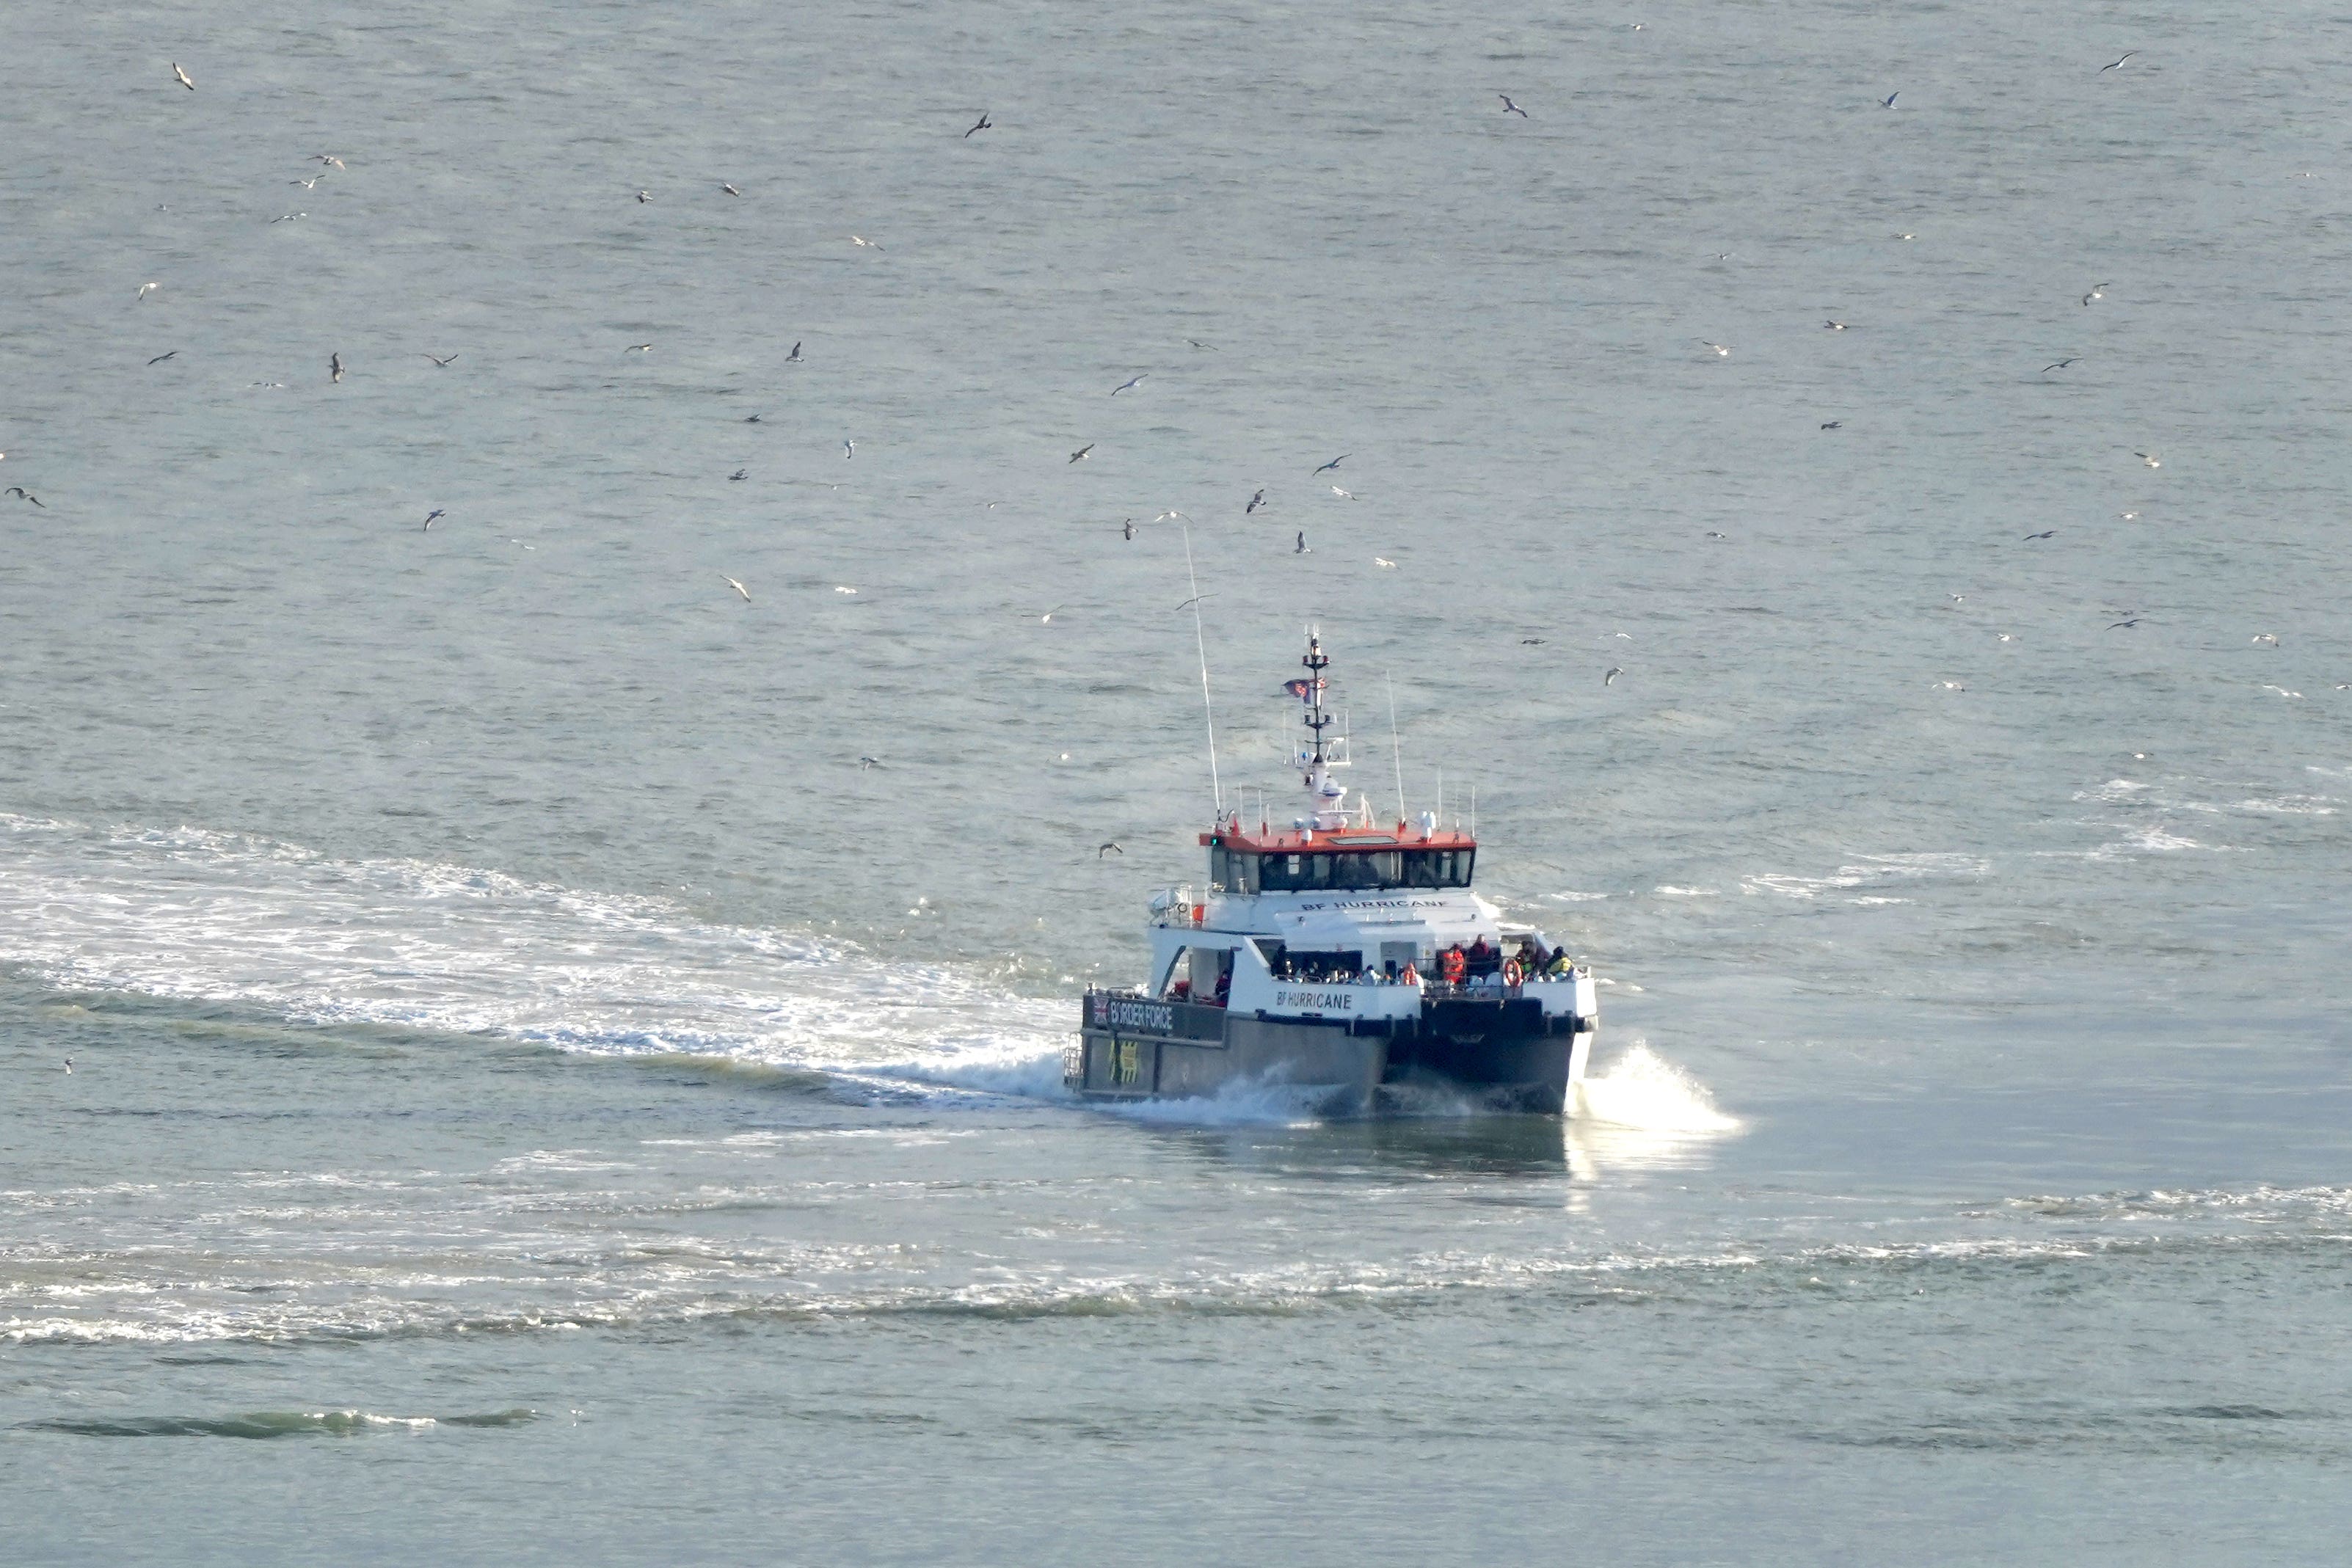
[(1643, 1090)]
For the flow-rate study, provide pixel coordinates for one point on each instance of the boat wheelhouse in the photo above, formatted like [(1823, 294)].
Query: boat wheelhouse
[(1345, 956)]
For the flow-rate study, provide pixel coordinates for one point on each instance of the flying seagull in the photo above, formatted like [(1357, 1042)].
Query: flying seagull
[(1254, 503), (20, 491), (328, 158), (728, 188), (440, 362), (2147, 458), (1127, 528), (335, 366), (2098, 291), (147, 288), (1301, 549), (2044, 534), (1532, 642), (69, 1067), (2059, 366), (1081, 451), (1611, 678), (2105, 69), (795, 357), (1888, 102), (1382, 560), (1107, 847), (1169, 514), (736, 587), (160, 357), (436, 512), (1128, 385), (1333, 464), (181, 77), (740, 474), (644, 196), (863, 762), (2128, 621), (1343, 494), (861, 239), (639, 348), (1833, 325), (753, 418), (848, 450), (1719, 350), (1510, 108), (1833, 424), (984, 124)]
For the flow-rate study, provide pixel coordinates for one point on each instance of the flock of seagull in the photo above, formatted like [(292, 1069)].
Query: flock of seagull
[(336, 371)]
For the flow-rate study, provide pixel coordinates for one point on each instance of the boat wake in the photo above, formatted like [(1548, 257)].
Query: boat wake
[(195, 916)]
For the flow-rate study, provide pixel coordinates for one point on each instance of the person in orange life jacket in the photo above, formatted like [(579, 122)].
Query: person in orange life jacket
[(1451, 965)]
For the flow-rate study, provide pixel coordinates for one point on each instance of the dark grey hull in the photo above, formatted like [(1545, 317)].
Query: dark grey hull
[(1497, 1053)]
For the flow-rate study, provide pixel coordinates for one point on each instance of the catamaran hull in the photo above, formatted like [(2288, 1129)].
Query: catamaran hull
[(1499, 1054)]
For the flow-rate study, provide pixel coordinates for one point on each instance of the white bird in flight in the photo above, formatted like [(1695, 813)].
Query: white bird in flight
[(1128, 385), (1383, 560), (1343, 494), (861, 239), (2127, 54), (2147, 458), (848, 450), (147, 288), (1720, 351), (181, 77), (1510, 108), (736, 587)]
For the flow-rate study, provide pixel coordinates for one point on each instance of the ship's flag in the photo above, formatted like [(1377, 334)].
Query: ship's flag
[(1303, 689)]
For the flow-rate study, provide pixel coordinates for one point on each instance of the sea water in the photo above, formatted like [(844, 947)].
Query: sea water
[(565, 1056)]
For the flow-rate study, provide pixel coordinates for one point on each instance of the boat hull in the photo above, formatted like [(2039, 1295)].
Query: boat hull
[(1500, 1054)]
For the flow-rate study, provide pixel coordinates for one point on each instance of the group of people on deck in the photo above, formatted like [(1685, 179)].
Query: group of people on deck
[(1480, 963), (1460, 965)]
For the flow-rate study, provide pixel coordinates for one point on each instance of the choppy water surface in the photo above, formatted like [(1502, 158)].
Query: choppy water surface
[(538, 1097)]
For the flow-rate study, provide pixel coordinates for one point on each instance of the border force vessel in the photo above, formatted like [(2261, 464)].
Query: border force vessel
[(1344, 958)]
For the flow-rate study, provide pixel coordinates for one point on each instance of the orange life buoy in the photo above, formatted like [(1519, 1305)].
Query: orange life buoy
[(1512, 973)]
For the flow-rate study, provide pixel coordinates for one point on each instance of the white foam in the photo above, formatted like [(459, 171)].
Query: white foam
[(1643, 1090), (1868, 871), (223, 917)]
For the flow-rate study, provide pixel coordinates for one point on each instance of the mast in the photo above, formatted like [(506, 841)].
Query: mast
[(1324, 794)]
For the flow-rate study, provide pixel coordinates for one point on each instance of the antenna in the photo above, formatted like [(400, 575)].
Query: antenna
[(1396, 747), (1216, 790), (1474, 811)]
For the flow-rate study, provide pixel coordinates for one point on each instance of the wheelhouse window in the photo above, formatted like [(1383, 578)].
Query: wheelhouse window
[(1326, 871), (1230, 871)]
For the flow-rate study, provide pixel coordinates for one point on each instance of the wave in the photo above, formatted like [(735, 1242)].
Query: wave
[(195, 916), (266, 1424)]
